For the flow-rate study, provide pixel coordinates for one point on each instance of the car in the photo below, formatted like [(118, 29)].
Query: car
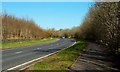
[(62, 37)]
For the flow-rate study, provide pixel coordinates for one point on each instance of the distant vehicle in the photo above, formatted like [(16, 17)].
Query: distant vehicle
[(62, 37)]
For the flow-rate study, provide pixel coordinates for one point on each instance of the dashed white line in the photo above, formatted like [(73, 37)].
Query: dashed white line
[(18, 52), (38, 48), (38, 58)]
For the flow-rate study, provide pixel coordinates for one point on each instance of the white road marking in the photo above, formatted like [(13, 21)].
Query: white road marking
[(38, 48), (37, 59), (18, 52)]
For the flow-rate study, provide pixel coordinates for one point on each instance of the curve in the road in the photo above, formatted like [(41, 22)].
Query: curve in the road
[(15, 57)]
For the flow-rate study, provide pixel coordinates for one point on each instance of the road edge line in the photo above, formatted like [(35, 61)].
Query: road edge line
[(38, 59)]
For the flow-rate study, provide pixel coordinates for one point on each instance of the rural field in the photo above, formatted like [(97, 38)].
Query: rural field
[(11, 45)]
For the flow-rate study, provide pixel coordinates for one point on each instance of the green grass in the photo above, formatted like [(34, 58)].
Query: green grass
[(26, 43), (62, 60)]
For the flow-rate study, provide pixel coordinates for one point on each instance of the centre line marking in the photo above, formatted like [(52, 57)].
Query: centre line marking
[(38, 48), (18, 52)]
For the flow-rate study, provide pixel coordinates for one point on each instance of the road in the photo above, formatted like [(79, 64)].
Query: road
[(14, 57)]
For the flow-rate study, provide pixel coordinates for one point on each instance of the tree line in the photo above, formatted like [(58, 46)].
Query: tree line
[(101, 25), (21, 29), (104, 28)]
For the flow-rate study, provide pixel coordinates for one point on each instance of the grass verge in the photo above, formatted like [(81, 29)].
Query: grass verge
[(26, 43), (62, 60)]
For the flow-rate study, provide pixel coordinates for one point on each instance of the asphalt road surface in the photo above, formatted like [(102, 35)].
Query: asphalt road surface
[(14, 57)]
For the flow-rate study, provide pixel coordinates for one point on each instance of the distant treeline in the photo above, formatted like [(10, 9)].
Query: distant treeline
[(21, 29)]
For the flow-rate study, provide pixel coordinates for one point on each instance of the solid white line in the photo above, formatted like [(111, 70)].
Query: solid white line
[(38, 58)]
